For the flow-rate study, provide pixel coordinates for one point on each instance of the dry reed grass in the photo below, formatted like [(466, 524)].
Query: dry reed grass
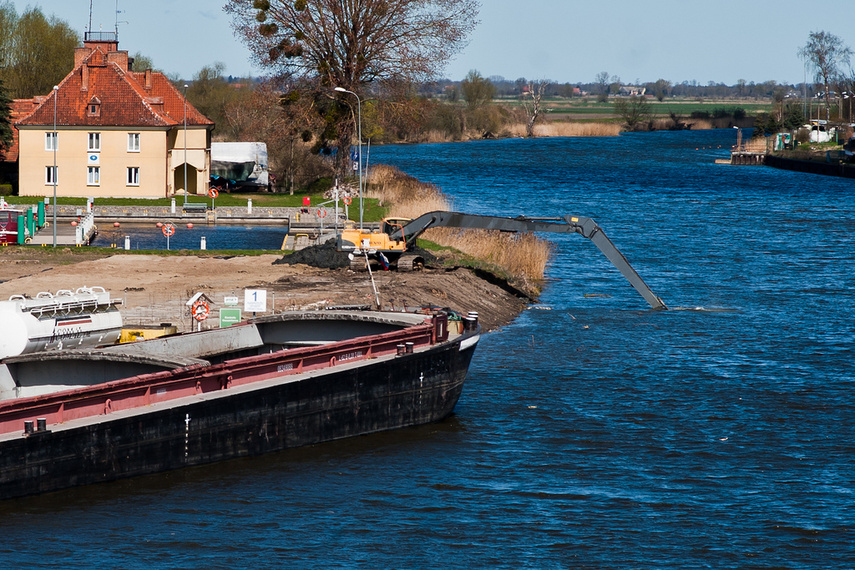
[(523, 257), (566, 129)]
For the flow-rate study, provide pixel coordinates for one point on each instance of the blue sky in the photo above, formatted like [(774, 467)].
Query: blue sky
[(560, 40)]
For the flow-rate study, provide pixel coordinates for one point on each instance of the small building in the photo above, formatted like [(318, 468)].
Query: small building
[(106, 130), (632, 90)]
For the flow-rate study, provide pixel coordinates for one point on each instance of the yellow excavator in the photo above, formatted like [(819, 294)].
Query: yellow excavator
[(394, 243)]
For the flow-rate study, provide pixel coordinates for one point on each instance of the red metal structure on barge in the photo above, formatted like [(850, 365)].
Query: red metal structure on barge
[(274, 383)]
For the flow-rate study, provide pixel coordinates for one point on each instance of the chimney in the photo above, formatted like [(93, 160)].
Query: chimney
[(80, 55), (118, 57), (84, 83), (148, 79)]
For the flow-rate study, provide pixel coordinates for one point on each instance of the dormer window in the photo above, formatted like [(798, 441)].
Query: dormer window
[(93, 109)]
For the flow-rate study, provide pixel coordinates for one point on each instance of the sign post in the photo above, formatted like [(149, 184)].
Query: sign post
[(168, 230), (255, 301)]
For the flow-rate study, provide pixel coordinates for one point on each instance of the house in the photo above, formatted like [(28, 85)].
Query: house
[(632, 91), (108, 131)]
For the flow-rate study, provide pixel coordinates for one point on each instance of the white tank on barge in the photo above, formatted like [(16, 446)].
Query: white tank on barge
[(83, 318)]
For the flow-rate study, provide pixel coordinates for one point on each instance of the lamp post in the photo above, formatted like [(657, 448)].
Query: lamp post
[(55, 144), (185, 144), (359, 135)]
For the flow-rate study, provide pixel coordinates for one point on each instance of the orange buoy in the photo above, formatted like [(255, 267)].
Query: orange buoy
[(73, 223), (189, 226), (116, 224), (159, 224)]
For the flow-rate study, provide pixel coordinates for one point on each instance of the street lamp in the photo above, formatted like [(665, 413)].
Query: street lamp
[(359, 135), (55, 144), (185, 144)]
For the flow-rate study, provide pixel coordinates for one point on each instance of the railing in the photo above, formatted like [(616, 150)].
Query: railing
[(157, 387)]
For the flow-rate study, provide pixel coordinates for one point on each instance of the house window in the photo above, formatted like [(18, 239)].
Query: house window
[(51, 140), (50, 175), (133, 142), (94, 176), (133, 176), (94, 142)]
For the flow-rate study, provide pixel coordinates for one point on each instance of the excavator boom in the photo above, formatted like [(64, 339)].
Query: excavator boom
[(568, 224)]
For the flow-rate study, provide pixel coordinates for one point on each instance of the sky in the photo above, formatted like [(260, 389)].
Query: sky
[(566, 41)]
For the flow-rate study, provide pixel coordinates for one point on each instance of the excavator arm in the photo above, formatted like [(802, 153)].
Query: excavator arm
[(568, 224)]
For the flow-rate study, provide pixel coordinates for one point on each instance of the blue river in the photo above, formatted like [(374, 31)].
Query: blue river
[(593, 432)]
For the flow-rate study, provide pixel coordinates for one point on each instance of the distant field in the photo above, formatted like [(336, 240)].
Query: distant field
[(589, 108)]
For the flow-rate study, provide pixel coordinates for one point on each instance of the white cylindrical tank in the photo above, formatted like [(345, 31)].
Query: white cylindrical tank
[(84, 318)]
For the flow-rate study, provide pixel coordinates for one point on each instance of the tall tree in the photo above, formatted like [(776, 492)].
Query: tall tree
[(41, 54), (210, 93), (633, 110), (476, 89), (351, 44), (5, 120), (825, 52)]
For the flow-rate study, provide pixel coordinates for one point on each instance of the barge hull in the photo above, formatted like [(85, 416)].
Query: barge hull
[(387, 393)]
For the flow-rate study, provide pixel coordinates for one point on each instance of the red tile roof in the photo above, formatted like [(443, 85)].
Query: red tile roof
[(126, 99)]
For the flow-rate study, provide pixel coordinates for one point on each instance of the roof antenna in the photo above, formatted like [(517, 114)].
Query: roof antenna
[(89, 29)]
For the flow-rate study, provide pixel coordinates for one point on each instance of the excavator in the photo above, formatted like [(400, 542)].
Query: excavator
[(395, 242)]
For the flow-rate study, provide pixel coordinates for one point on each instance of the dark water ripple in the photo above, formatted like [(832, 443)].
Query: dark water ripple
[(593, 433)]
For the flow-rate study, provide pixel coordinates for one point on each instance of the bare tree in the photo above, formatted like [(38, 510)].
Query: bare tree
[(351, 44), (825, 52), (532, 98)]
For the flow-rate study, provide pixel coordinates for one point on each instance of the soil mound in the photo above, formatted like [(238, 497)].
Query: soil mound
[(324, 256)]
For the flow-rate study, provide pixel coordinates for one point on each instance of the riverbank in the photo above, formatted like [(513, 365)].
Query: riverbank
[(155, 288)]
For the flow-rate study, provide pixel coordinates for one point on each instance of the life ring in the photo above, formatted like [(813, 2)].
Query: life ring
[(322, 213), (347, 200), (213, 192), (168, 229), (201, 310)]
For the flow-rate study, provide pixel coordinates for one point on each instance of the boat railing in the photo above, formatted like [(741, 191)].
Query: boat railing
[(148, 389)]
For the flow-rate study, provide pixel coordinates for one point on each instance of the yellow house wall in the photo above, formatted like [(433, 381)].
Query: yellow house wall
[(160, 160), (72, 160), (198, 153)]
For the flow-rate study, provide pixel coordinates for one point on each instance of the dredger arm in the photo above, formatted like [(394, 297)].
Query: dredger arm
[(567, 224)]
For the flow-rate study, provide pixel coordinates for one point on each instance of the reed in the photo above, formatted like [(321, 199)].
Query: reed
[(522, 258), (567, 129), (577, 129)]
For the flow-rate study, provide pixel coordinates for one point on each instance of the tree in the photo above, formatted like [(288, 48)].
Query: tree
[(532, 97), (5, 120), (211, 94), (633, 110), (350, 44), (602, 82), (38, 55), (476, 90), (660, 89), (142, 62), (825, 52)]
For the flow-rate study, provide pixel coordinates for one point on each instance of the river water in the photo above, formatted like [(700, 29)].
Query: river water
[(593, 432)]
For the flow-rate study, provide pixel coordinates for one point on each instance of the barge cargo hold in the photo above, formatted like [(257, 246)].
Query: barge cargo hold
[(274, 383)]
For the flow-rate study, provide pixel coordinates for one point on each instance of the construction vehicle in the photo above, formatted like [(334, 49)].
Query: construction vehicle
[(395, 241)]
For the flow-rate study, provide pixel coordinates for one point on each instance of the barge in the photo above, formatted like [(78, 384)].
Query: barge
[(90, 415)]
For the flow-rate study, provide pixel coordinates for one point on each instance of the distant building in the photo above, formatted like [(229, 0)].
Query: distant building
[(631, 90), (118, 132)]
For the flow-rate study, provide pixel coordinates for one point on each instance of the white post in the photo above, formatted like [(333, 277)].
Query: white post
[(172, 207), (249, 205), (204, 243), (127, 243)]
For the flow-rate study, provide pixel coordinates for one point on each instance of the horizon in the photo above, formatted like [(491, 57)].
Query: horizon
[(627, 43)]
